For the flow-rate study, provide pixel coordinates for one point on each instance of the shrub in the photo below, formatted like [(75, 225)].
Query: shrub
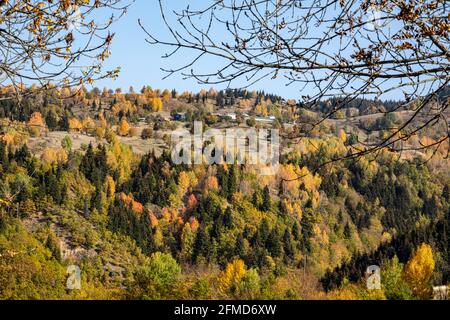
[(133, 132)]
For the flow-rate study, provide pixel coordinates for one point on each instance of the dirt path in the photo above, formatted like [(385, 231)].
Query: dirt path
[(53, 140)]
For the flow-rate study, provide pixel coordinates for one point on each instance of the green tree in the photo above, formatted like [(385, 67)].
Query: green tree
[(158, 277), (395, 288), (66, 143), (266, 203), (228, 221), (418, 272), (250, 285), (52, 244), (201, 289), (163, 269)]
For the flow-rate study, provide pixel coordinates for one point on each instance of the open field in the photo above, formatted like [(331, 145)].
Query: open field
[(53, 140)]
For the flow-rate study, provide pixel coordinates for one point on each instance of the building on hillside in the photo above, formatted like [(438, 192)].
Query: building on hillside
[(265, 119), (36, 122), (441, 293), (179, 116)]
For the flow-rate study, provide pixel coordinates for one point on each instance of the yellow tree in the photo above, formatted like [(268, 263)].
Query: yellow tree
[(119, 156), (75, 124), (99, 133), (212, 93), (419, 271), (88, 124)]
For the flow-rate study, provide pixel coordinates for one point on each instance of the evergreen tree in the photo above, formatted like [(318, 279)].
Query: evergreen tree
[(347, 231), (288, 244), (274, 244), (446, 193), (296, 231), (262, 234), (239, 249), (232, 180)]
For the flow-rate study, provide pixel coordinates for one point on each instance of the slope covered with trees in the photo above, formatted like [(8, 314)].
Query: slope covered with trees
[(143, 227)]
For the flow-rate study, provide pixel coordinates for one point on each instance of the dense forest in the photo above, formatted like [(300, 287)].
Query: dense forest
[(140, 226)]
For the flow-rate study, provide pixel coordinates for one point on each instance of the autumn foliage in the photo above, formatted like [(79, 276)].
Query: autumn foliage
[(135, 206), (123, 128), (75, 124)]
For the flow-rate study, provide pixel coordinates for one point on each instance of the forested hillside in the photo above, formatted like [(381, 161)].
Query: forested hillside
[(74, 191)]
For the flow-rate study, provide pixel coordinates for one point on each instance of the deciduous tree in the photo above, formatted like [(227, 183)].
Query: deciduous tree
[(418, 271), (55, 43)]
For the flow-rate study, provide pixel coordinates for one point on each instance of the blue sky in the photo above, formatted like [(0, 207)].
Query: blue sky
[(140, 62)]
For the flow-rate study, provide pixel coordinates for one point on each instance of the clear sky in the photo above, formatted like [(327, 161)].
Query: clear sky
[(140, 62)]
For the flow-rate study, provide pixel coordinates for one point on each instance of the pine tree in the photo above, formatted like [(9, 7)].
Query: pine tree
[(419, 271), (347, 231), (257, 199), (202, 242), (264, 230), (296, 231), (52, 244), (27, 208), (232, 180), (273, 243), (64, 122), (222, 176), (240, 249), (4, 160), (446, 193)]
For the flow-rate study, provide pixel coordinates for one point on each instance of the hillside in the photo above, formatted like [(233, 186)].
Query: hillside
[(87, 179)]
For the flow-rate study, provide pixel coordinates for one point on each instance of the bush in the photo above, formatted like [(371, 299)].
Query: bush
[(251, 122), (162, 270), (100, 133), (147, 133), (133, 132), (66, 143), (200, 289), (34, 132)]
